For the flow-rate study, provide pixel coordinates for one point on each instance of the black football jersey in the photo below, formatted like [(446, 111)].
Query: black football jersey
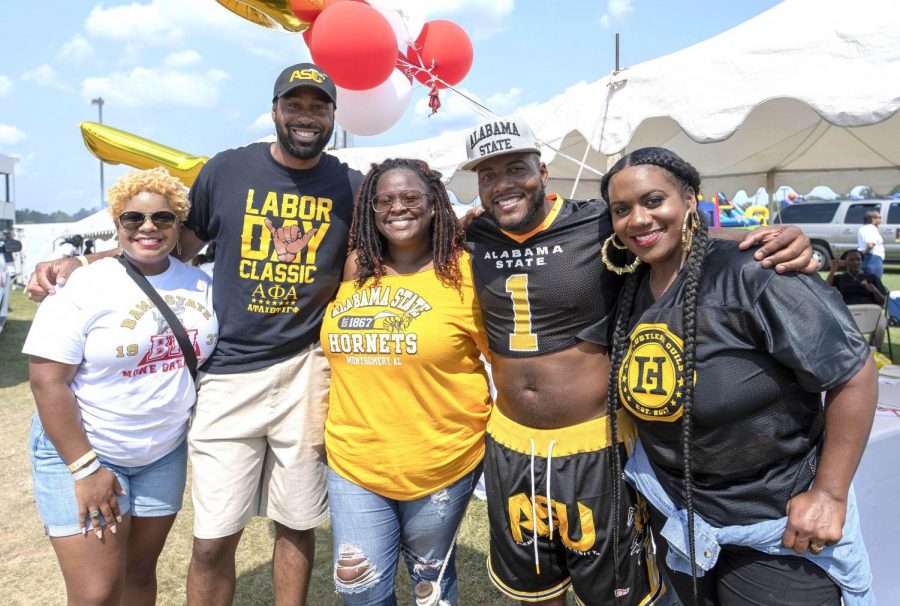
[(546, 291), (767, 346)]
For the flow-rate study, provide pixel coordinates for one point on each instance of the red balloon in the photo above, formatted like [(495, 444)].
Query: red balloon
[(307, 10), (307, 34), (792, 196), (355, 44), (447, 47)]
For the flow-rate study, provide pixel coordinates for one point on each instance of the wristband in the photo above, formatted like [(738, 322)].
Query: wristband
[(82, 460), (86, 471), (83, 260)]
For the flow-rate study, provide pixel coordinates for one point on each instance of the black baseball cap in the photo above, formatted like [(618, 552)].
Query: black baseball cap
[(305, 74)]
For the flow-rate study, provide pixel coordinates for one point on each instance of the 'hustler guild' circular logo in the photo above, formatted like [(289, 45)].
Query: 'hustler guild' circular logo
[(651, 378)]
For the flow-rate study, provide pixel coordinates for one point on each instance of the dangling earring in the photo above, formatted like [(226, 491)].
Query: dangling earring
[(688, 226), (178, 242), (627, 269)]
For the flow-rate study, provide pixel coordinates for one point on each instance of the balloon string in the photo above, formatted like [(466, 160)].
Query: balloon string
[(412, 69)]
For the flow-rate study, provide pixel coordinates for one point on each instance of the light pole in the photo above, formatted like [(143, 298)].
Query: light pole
[(99, 103)]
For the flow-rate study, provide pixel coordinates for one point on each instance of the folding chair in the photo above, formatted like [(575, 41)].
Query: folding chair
[(867, 317)]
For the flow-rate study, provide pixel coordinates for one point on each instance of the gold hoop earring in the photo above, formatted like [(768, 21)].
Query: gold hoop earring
[(615, 243), (627, 269), (688, 227)]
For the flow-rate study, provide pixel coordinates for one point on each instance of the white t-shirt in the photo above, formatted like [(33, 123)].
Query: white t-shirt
[(869, 233), (132, 386)]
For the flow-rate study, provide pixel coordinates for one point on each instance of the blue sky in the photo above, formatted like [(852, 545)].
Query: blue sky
[(192, 75)]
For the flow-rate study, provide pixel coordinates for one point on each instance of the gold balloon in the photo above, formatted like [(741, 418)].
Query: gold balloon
[(119, 147), (274, 14)]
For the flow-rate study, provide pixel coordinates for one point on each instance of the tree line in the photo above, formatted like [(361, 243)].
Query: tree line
[(25, 215)]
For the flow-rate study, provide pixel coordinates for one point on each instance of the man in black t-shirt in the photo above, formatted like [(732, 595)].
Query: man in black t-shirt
[(279, 214), (859, 288)]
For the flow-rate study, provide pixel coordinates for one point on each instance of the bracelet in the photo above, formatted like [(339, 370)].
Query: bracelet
[(85, 472), (82, 460), (83, 260)]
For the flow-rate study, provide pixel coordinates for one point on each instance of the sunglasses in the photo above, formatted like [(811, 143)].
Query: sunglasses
[(408, 199), (133, 220)]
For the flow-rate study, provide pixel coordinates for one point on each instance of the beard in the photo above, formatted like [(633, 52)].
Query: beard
[(302, 151), (536, 203)]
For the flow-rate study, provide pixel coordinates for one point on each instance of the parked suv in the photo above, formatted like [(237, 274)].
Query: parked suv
[(832, 225), (7, 247)]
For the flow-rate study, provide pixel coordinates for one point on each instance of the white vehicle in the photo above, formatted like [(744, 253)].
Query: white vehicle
[(6, 246)]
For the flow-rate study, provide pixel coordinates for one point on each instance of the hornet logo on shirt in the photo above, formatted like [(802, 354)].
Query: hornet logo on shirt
[(651, 379)]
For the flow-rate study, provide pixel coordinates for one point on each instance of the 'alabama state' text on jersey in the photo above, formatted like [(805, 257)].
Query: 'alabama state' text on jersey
[(545, 291)]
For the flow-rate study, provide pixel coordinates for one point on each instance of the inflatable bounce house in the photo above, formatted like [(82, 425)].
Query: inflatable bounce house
[(720, 212)]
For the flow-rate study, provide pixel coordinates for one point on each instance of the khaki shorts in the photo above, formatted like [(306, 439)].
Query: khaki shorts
[(257, 446)]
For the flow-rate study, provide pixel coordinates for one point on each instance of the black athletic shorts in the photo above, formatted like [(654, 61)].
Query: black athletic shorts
[(571, 470)]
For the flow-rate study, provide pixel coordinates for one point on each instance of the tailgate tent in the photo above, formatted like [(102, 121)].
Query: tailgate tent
[(804, 94)]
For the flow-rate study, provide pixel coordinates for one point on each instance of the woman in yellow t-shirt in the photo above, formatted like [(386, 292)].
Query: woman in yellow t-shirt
[(409, 394)]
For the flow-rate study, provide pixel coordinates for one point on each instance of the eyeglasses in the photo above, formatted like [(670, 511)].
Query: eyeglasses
[(383, 203), (133, 220)]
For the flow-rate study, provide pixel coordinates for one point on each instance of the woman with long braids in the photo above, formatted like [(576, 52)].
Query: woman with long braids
[(722, 365), (409, 395)]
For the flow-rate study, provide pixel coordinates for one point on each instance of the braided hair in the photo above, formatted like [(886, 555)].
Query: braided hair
[(447, 237), (686, 177)]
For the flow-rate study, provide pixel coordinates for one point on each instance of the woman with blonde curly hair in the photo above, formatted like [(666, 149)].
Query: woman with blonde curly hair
[(114, 397)]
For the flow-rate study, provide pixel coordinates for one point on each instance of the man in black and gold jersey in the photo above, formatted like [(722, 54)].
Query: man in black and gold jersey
[(546, 301)]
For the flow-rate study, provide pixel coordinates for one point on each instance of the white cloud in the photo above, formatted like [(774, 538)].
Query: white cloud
[(171, 22), (10, 135), (484, 18), (157, 87), (183, 58), (616, 9), (75, 50), (506, 102), (6, 86), (46, 76), (263, 123)]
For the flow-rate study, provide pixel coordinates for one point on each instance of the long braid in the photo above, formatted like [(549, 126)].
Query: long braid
[(617, 354), (447, 236), (693, 272), (688, 179)]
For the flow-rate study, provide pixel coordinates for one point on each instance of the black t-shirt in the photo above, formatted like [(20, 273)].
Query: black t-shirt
[(853, 290), (269, 310), (767, 346), (547, 290)]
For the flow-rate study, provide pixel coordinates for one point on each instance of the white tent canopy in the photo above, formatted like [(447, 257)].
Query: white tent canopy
[(804, 94)]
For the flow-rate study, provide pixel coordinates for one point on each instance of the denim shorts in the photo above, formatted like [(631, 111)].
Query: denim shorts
[(151, 490)]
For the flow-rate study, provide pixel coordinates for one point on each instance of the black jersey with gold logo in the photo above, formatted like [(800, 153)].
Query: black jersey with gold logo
[(545, 291), (767, 346)]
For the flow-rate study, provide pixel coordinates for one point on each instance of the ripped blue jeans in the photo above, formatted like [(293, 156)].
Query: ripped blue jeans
[(371, 531)]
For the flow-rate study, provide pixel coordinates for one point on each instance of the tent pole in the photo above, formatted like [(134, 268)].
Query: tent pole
[(770, 189)]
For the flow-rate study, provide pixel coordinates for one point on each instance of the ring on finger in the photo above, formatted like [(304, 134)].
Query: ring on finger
[(95, 514), (816, 549)]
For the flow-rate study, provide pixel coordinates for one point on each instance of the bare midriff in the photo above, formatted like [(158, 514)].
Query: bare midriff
[(554, 390)]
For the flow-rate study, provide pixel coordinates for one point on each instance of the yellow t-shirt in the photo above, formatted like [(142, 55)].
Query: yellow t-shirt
[(409, 395)]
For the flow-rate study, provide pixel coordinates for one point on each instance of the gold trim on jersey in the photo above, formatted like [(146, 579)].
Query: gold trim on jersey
[(527, 596), (547, 222), (590, 436)]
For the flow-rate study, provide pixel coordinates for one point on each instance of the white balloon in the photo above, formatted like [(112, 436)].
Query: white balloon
[(406, 17), (373, 111)]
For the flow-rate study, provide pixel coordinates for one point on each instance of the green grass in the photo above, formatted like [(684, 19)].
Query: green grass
[(29, 573)]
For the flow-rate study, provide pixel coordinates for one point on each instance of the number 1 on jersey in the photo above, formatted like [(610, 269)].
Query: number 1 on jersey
[(521, 339)]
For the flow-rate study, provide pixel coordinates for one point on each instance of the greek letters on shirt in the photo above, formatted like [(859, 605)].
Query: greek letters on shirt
[(276, 289), (377, 325), (162, 353)]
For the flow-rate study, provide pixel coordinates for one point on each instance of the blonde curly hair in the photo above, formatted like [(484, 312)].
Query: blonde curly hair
[(155, 180)]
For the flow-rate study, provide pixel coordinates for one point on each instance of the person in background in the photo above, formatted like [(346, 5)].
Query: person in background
[(711, 358), (409, 395), (859, 288), (114, 397), (870, 243), (88, 247)]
